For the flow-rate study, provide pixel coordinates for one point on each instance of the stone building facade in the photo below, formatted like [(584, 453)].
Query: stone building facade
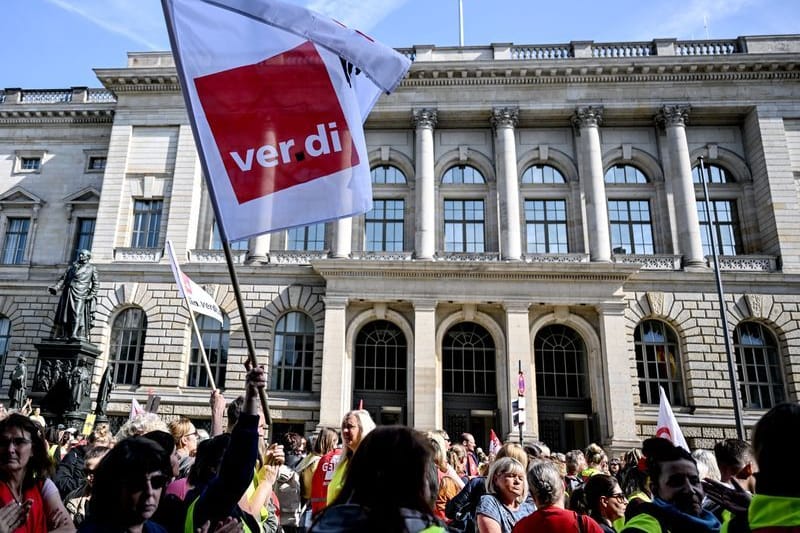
[(537, 209)]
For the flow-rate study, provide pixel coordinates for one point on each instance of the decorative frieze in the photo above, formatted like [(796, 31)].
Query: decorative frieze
[(138, 255), (216, 256), (290, 257), (747, 263), (650, 262), (556, 258)]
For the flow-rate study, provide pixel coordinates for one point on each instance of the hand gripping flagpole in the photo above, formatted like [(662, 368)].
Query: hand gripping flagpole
[(251, 362)]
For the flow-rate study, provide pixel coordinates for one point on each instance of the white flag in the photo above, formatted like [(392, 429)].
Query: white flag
[(199, 300), (136, 409), (278, 95), (667, 426)]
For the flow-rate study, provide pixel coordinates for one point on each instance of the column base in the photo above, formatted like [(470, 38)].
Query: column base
[(696, 266), (257, 259)]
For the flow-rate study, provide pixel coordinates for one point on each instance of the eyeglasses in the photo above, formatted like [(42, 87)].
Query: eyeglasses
[(18, 442), (156, 482), (620, 497)]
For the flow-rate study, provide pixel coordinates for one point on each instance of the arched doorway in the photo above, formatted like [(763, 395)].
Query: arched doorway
[(469, 382), (565, 405), (380, 373)]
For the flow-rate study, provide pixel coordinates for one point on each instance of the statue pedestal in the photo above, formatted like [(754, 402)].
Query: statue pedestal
[(57, 359)]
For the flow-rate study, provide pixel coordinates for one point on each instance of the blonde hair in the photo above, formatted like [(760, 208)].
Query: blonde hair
[(594, 454), (180, 428), (506, 465), (515, 451), (439, 449), (364, 420)]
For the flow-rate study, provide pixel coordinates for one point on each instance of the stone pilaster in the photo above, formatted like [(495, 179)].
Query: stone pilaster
[(504, 120), (427, 410), (342, 238), (673, 119), (586, 122), (336, 389), (618, 382), (519, 349), (185, 194), (424, 121)]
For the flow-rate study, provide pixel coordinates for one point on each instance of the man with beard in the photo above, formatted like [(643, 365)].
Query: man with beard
[(677, 494)]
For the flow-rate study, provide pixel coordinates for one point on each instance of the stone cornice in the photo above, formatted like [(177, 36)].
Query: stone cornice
[(43, 114), (163, 79), (673, 115)]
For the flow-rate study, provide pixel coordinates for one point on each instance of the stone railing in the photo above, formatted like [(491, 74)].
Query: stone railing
[(216, 256), (382, 256), (650, 262), (478, 257), (100, 95), (291, 257), (138, 255), (73, 95), (46, 96), (707, 48), (556, 258), (745, 263), (556, 51), (622, 49)]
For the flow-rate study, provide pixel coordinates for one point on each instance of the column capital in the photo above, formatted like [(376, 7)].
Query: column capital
[(504, 117), (334, 302), (424, 305), (516, 307), (673, 115), (424, 118), (587, 116)]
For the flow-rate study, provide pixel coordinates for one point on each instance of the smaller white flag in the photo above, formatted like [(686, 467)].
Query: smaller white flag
[(136, 409), (494, 443), (667, 426), (199, 300)]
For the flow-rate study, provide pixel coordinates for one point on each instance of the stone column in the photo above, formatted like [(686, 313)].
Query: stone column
[(673, 119), (342, 238), (616, 376), (258, 248), (519, 349), (424, 122), (504, 120), (336, 390), (427, 401), (586, 121)]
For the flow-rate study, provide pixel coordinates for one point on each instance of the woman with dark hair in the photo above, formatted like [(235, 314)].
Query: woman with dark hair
[(386, 488), (605, 501), (127, 488), (25, 468)]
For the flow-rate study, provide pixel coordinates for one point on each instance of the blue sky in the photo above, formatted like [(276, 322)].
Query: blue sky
[(56, 43)]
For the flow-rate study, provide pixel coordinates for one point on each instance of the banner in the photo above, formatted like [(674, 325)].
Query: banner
[(277, 95), (199, 300), (667, 426), (494, 443)]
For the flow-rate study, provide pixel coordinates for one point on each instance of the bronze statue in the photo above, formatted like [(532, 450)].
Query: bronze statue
[(78, 385), (103, 394), (17, 392), (78, 286)]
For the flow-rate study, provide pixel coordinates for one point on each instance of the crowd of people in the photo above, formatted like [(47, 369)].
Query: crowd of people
[(154, 477)]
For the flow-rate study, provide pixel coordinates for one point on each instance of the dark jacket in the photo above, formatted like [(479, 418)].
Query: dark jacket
[(69, 473), (351, 518)]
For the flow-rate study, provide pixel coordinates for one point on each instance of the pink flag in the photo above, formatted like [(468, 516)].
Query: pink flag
[(277, 95), (667, 426), (494, 443), (136, 409)]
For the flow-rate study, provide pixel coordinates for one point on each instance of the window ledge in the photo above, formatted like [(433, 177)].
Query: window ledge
[(745, 263), (216, 256), (296, 257), (556, 258), (138, 255), (650, 262)]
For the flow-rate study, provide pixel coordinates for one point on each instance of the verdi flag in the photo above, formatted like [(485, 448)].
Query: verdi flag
[(198, 300), (277, 95), (667, 426)]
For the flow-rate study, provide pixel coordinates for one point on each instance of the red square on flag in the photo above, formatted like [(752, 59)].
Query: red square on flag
[(277, 123)]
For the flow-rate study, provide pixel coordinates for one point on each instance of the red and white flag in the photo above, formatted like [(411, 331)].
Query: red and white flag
[(494, 443), (278, 95), (199, 300), (136, 409), (667, 426)]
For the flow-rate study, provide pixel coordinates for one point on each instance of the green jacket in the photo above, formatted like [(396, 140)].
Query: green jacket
[(768, 513)]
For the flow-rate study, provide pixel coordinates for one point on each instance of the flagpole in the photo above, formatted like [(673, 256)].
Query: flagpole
[(723, 314), (252, 362), (460, 22), (200, 344)]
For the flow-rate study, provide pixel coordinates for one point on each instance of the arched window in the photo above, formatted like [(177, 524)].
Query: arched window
[(658, 362), (724, 213), (127, 346), (216, 340), (293, 353), (387, 175), (625, 174), (560, 363), (544, 174), (469, 360), (380, 359), (463, 174), (5, 338), (758, 366)]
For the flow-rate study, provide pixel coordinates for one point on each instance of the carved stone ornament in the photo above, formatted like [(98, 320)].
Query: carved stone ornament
[(755, 303), (505, 117), (673, 115), (656, 302), (587, 116), (425, 118)]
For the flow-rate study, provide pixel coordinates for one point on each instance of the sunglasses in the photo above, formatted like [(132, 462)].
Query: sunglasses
[(156, 482)]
